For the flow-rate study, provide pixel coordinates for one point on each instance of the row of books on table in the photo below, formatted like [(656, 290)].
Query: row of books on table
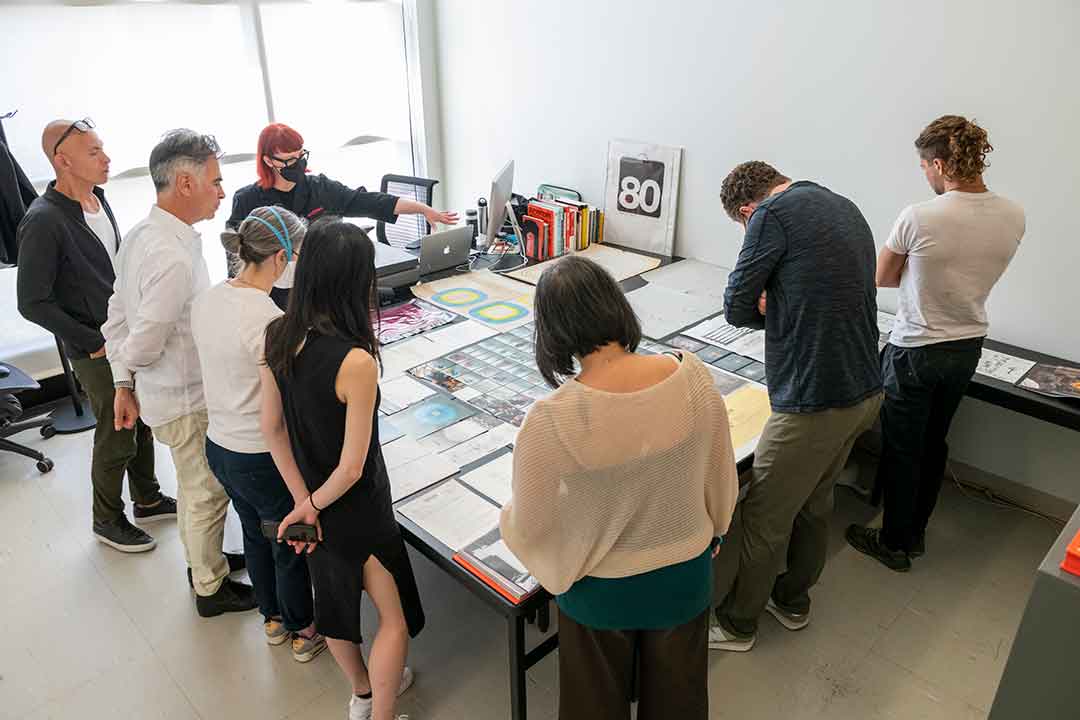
[(556, 226)]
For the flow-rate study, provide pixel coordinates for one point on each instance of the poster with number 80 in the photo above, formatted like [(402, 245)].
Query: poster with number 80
[(642, 196), (641, 186)]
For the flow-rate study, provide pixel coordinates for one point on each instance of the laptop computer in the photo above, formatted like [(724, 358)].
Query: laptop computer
[(445, 250)]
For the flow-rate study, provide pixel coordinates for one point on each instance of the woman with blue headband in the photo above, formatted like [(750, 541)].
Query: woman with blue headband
[(228, 322)]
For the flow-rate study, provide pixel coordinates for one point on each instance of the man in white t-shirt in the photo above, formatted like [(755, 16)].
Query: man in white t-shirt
[(944, 255)]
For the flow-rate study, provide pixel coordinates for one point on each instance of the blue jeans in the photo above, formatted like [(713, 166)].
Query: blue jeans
[(258, 492)]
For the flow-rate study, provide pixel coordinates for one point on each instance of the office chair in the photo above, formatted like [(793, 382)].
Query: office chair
[(409, 229), (13, 380)]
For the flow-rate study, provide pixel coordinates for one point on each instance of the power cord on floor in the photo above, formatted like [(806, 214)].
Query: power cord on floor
[(988, 497)]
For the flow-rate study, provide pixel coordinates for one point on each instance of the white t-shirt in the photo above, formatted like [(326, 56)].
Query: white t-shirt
[(102, 227), (957, 246), (229, 325)]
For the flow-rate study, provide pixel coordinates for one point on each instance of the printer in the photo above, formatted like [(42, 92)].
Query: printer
[(394, 267)]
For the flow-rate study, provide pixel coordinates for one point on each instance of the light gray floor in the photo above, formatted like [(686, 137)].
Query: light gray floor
[(86, 632)]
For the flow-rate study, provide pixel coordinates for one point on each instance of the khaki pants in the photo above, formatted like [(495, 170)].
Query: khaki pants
[(784, 520), (201, 502)]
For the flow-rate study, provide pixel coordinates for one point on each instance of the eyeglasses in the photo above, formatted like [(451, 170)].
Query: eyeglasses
[(288, 162), (83, 126)]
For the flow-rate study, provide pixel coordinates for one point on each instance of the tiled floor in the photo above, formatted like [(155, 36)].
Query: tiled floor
[(90, 633)]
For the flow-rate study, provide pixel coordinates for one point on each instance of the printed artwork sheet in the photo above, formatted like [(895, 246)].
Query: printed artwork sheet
[(453, 514), (663, 311), (1053, 380), (410, 318), (493, 479), (1000, 366), (486, 297), (741, 341), (412, 477), (692, 277), (620, 263)]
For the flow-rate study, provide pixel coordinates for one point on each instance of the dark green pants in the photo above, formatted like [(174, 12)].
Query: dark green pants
[(115, 451), (779, 535)]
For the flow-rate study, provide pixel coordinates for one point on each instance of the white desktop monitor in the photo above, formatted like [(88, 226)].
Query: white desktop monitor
[(501, 188)]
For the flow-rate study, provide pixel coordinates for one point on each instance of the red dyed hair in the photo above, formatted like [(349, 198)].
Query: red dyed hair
[(275, 138)]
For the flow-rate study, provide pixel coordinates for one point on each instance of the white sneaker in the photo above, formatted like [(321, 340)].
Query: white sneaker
[(720, 639), (360, 708)]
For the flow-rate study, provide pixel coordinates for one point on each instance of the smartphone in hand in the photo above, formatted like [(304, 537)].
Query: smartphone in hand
[(298, 531)]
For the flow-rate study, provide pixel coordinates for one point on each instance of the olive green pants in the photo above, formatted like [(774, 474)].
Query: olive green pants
[(115, 451)]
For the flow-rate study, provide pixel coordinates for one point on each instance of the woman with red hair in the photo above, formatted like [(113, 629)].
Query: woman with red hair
[(285, 182)]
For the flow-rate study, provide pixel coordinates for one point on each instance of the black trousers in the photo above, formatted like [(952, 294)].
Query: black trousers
[(601, 670), (923, 389)]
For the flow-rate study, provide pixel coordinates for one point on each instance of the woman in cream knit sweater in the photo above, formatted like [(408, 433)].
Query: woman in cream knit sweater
[(624, 482)]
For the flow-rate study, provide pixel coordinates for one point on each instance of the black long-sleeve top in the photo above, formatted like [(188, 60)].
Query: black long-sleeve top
[(313, 196)]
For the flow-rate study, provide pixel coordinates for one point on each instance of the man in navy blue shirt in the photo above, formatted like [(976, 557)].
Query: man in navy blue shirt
[(805, 275)]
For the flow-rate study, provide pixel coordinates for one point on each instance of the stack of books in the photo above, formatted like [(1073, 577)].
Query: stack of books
[(556, 226), (492, 562)]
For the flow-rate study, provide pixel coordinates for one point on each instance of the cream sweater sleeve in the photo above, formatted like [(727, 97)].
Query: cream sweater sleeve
[(533, 532), (721, 477)]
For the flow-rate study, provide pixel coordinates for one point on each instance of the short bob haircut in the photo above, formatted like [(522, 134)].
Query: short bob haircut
[(274, 138), (579, 309)]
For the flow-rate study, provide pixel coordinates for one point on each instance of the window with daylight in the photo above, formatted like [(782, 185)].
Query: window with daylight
[(335, 71)]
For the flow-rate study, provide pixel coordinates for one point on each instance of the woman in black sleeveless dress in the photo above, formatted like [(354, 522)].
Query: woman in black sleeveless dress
[(322, 383)]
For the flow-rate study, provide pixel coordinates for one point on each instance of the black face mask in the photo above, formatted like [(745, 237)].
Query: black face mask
[(294, 173)]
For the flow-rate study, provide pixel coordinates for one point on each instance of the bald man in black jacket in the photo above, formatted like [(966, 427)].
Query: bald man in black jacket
[(67, 242)]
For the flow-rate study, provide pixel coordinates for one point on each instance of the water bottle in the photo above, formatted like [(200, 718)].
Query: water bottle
[(482, 215), (471, 221)]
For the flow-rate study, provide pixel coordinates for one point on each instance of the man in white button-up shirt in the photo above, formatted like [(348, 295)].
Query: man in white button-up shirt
[(159, 270)]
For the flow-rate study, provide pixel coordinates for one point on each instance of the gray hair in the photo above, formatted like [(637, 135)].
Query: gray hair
[(179, 151), (254, 241)]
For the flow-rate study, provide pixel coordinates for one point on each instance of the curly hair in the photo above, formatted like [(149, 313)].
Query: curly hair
[(749, 182), (959, 143)]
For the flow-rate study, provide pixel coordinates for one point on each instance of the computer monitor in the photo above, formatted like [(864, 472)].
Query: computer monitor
[(501, 188)]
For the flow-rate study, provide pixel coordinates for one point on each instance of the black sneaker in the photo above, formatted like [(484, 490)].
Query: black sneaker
[(236, 562), (123, 536), (230, 597), (164, 510), (868, 541), (918, 546)]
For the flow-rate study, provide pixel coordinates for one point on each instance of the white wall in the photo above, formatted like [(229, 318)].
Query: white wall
[(832, 91)]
